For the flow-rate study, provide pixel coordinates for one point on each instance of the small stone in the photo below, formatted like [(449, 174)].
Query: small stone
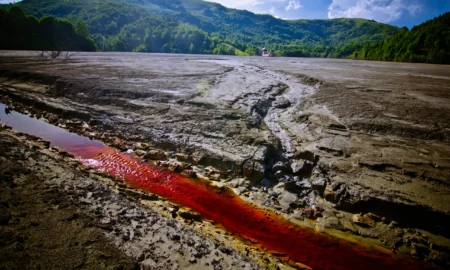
[(182, 157), (330, 195), (298, 165), (279, 174), (188, 215), (226, 250), (282, 103), (279, 166), (138, 146), (176, 237), (319, 185), (140, 153), (156, 155), (189, 173), (363, 221), (197, 157), (287, 199), (266, 183)]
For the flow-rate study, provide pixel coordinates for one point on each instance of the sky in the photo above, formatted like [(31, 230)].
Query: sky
[(396, 12)]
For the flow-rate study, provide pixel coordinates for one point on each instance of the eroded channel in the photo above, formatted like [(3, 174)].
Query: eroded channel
[(266, 229)]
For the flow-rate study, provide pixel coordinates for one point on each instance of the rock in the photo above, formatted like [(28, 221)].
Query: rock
[(266, 183), (182, 157), (279, 174), (311, 213), (281, 266), (188, 215), (288, 200), (197, 157), (332, 222), (65, 154), (253, 171), (282, 103), (319, 185), (334, 191), (298, 165), (419, 251), (176, 237), (156, 155), (273, 195), (45, 143), (174, 165), (226, 250), (298, 186), (330, 195), (279, 166), (140, 153), (189, 173), (364, 220), (138, 146)]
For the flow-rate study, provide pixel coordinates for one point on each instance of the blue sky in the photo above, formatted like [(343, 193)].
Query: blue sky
[(396, 12)]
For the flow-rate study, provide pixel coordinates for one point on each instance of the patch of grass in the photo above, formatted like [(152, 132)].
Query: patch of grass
[(203, 87), (237, 52)]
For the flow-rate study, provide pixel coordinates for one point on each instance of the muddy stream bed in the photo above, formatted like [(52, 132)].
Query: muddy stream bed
[(256, 226)]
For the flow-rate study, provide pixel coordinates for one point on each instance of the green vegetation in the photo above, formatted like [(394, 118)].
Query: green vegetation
[(426, 43), (195, 26), (21, 32), (203, 87)]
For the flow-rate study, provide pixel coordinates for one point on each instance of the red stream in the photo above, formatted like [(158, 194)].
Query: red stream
[(271, 231)]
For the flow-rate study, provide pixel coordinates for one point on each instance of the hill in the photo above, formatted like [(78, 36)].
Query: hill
[(21, 32), (426, 43), (195, 26)]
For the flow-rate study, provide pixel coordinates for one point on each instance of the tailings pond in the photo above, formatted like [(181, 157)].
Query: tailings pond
[(264, 228)]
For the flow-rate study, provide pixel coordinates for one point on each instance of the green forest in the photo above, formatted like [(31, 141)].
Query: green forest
[(196, 26), (21, 32), (426, 43)]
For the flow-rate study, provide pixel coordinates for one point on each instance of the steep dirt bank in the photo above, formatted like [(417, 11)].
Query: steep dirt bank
[(354, 146)]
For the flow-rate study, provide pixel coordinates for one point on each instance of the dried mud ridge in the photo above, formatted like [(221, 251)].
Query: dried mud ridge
[(281, 139)]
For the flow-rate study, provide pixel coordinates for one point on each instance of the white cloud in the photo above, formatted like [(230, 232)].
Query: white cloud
[(242, 4), (251, 4), (379, 10), (272, 10), (293, 4)]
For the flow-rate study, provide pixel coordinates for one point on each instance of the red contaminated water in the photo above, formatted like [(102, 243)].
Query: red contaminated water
[(271, 231)]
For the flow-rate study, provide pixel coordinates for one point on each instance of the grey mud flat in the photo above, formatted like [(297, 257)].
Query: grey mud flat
[(355, 149)]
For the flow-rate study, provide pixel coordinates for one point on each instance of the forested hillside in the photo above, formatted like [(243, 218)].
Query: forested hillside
[(426, 43), (195, 26), (21, 32)]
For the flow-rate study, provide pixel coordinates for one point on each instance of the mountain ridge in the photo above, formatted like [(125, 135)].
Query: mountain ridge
[(213, 24)]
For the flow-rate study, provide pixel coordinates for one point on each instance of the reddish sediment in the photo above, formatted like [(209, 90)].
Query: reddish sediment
[(271, 231)]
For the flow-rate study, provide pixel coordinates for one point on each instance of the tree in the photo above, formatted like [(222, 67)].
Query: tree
[(82, 30)]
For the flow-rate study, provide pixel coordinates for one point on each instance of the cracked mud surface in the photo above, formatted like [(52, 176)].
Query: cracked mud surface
[(352, 148)]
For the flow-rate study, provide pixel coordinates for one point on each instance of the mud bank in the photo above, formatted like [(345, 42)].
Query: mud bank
[(219, 205), (57, 214), (348, 148)]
